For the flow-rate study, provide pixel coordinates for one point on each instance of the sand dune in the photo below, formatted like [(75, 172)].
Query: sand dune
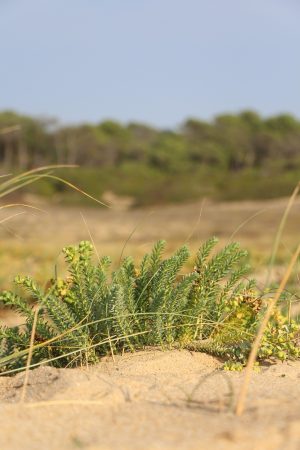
[(151, 400)]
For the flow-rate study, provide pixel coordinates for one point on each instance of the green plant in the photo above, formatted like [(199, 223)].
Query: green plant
[(93, 311)]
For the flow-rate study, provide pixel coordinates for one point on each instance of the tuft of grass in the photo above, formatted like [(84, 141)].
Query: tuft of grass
[(94, 311)]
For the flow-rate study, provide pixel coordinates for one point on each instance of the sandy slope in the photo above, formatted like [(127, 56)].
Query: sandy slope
[(141, 401)]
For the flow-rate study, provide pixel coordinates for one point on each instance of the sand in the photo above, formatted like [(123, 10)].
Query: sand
[(151, 400)]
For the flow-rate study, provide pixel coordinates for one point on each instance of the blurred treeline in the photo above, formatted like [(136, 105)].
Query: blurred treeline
[(232, 157)]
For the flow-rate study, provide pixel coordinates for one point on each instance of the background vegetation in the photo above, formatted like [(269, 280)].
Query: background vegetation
[(238, 156)]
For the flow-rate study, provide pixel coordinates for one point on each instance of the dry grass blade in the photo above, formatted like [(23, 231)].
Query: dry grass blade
[(131, 234), (67, 183), (255, 346), (24, 205), (17, 179), (24, 389), (33, 175), (279, 232), (90, 236), (192, 232), (245, 222)]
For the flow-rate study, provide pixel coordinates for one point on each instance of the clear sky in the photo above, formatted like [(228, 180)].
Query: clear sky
[(155, 61)]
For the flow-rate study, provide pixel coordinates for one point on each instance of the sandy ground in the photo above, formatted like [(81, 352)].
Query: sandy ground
[(245, 220), (151, 400)]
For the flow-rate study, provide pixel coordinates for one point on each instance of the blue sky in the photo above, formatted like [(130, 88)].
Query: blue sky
[(154, 61)]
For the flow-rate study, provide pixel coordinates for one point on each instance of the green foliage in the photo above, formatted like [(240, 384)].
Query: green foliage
[(93, 311), (235, 156)]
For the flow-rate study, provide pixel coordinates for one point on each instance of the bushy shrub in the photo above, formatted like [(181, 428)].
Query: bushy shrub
[(93, 312)]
